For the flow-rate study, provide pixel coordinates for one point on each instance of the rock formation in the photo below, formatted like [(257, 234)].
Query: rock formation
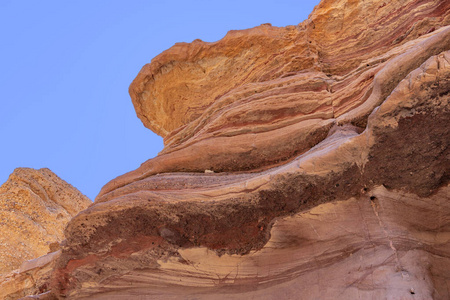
[(32, 278), (35, 207), (306, 162)]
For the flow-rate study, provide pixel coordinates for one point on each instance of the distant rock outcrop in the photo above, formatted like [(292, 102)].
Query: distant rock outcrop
[(306, 162), (35, 207)]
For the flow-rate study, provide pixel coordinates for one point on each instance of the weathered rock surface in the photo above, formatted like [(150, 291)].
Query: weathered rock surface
[(259, 235), (35, 207), (275, 70), (265, 95), (306, 162), (32, 279), (381, 245)]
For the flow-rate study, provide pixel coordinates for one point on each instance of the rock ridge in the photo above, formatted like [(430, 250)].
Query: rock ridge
[(35, 206)]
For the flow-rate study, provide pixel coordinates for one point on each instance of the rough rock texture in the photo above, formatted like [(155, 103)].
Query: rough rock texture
[(265, 95), (35, 206), (306, 162), (342, 44), (32, 278), (393, 246)]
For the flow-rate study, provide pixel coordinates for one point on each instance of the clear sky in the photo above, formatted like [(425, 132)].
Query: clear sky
[(65, 68)]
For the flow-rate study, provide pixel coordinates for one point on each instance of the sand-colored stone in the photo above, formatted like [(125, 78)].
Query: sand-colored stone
[(35, 207), (31, 279), (306, 162)]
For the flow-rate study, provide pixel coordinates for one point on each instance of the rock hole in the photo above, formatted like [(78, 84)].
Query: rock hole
[(372, 198), (337, 184)]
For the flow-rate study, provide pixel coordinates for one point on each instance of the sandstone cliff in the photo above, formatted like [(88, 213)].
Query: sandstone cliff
[(35, 207), (306, 162)]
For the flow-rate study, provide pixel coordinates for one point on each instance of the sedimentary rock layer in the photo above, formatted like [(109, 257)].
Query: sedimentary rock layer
[(341, 40), (31, 279), (382, 244), (35, 206), (303, 162), (262, 96), (169, 234)]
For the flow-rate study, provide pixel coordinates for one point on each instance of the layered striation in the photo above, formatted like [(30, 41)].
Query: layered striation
[(274, 233), (342, 43), (35, 207), (262, 96), (305, 162)]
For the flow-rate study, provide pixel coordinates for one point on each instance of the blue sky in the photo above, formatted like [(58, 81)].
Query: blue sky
[(65, 68)]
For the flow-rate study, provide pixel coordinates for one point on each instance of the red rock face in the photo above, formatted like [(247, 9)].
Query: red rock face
[(306, 162)]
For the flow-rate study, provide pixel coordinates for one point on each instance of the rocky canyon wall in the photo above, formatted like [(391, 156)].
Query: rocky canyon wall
[(304, 162), (35, 207)]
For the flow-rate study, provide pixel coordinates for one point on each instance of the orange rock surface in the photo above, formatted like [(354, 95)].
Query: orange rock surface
[(262, 96), (359, 215), (35, 207), (342, 43), (306, 162)]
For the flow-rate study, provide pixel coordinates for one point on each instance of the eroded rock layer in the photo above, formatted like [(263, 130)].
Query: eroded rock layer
[(35, 207), (160, 226), (343, 43), (262, 96), (306, 162), (382, 244)]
